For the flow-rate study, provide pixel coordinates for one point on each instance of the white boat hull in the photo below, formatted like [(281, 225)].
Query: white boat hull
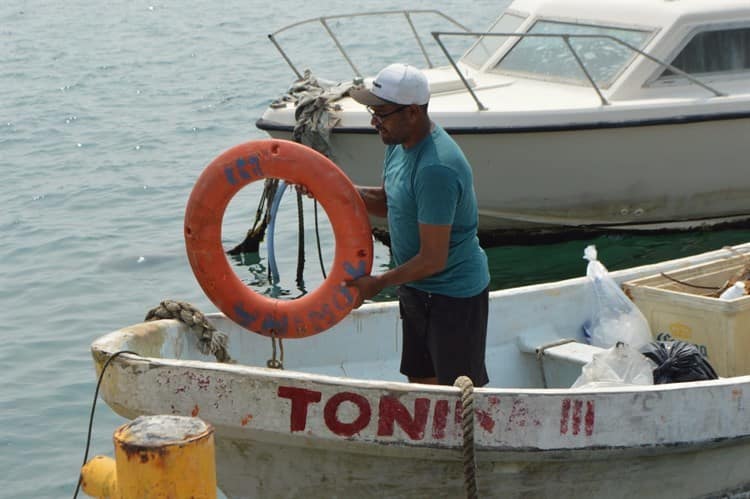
[(638, 177), (337, 422), (301, 472)]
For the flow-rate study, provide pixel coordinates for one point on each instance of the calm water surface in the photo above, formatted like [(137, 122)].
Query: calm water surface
[(108, 113)]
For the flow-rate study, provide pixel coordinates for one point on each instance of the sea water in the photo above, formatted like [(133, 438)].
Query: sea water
[(108, 113)]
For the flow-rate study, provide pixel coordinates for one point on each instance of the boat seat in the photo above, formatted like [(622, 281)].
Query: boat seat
[(560, 360), (561, 363)]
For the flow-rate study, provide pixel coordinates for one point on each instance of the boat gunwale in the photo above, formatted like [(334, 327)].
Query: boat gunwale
[(265, 373), (268, 125)]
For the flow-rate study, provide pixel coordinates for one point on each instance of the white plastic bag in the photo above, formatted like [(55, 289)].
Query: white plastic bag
[(621, 365), (734, 291), (613, 317)]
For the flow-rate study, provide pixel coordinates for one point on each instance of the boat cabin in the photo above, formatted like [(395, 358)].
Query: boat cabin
[(710, 41)]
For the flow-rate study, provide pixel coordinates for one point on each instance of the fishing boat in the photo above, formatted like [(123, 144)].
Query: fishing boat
[(626, 114), (339, 421)]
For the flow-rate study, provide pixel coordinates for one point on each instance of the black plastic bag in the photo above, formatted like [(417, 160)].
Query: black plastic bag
[(678, 361)]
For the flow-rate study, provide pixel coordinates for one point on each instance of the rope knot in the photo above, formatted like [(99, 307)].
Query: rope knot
[(210, 340)]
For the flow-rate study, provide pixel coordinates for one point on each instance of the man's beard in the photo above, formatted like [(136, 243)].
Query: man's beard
[(387, 139)]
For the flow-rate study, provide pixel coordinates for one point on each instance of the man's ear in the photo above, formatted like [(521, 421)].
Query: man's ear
[(414, 112)]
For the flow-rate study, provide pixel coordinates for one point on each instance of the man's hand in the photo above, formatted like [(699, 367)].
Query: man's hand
[(366, 286)]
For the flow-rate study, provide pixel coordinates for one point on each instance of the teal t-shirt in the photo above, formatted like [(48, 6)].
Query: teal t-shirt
[(432, 183)]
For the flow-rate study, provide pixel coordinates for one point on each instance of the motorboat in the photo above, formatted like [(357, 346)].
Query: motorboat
[(575, 114), (338, 420)]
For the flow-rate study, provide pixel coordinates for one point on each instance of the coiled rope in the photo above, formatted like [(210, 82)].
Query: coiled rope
[(210, 340), (467, 428)]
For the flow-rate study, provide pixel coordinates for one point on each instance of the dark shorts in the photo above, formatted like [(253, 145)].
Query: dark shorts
[(443, 336)]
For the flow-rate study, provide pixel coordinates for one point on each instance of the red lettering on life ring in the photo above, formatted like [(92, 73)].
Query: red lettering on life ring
[(297, 164)]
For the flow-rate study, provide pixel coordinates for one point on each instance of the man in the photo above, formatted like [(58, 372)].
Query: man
[(429, 200)]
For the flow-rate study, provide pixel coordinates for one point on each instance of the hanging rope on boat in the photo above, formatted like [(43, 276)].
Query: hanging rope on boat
[(314, 102), (317, 239), (313, 99), (210, 340), (467, 427), (262, 216), (300, 242)]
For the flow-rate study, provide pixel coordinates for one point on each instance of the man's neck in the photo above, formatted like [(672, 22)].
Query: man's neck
[(420, 132)]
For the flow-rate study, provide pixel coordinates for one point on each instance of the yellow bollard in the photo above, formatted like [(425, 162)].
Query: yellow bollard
[(99, 477), (157, 457)]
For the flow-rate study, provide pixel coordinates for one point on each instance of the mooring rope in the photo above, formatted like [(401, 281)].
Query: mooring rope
[(317, 239), (467, 427), (210, 340), (300, 242), (91, 415)]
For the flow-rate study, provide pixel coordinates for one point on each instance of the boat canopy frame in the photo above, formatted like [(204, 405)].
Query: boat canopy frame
[(566, 39), (323, 20), (408, 13)]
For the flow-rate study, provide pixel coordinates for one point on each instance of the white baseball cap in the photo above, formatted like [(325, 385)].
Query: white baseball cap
[(395, 84)]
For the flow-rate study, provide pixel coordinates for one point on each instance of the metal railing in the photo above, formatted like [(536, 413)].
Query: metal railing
[(566, 38), (324, 22)]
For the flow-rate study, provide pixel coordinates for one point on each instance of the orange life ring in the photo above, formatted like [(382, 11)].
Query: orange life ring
[(221, 180)]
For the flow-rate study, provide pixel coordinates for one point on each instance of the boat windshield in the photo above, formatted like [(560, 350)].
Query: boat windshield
[(486, 46), (550, 58)]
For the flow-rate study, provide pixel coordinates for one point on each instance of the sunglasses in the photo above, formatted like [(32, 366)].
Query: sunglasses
[(379, 117)]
